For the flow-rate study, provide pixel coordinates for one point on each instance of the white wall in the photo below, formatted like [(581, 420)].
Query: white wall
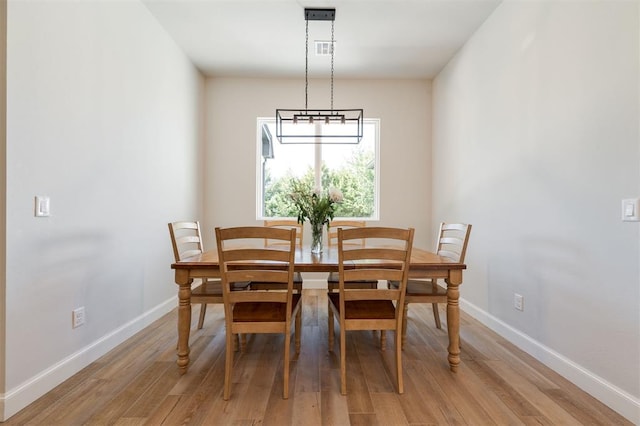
[(404, 110), (536, 141), (104, 115)]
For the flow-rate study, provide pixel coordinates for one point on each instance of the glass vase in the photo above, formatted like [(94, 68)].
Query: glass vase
[(316, 238)]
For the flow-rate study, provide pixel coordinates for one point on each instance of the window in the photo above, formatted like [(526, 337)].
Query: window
[(353, 169)]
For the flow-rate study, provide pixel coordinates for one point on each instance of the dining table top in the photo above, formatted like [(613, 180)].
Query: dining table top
[(422, 261)]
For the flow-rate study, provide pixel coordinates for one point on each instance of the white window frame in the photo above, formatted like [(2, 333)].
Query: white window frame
[(259, 178)]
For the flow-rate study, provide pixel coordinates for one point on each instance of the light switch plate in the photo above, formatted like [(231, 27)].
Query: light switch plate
[(42, 206), (630, 207)]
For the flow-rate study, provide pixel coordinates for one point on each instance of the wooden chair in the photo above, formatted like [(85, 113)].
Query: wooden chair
[(186, 240), (452, 244), (371, 309), (333, 278), (282, 224), (258, 311)]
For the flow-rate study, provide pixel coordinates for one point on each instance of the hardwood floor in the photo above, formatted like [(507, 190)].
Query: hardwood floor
[(138, 382)]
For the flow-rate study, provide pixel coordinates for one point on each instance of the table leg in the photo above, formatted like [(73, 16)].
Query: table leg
[(453, 318), (184, 318)]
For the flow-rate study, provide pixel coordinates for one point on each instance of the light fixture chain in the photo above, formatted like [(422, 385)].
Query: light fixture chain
[(332, 53), (351, 129), (306, 68)]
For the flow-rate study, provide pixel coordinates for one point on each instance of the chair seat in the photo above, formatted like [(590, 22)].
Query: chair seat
[(263, 311), (214, 288), (364, 309), (422, 288)]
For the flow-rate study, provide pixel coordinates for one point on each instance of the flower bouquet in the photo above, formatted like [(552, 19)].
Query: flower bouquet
[(317, 206)]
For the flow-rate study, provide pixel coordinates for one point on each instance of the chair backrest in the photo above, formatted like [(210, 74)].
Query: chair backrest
[(332, 235), (386, 256), (452, 240), (185, 239), (284, 224), (243, 258)]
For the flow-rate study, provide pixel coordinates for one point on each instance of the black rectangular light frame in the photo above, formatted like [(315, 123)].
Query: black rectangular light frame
[(350, 120)]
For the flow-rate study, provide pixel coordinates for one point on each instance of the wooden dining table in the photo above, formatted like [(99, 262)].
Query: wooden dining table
[(424, 264)]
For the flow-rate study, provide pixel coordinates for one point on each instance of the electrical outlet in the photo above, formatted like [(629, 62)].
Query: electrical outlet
[(77, 317), (518, 301)]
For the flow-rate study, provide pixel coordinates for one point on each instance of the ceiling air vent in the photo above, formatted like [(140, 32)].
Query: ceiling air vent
[(323, 48)]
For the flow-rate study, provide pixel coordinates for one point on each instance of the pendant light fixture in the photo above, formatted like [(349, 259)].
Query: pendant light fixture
[(319, 126)]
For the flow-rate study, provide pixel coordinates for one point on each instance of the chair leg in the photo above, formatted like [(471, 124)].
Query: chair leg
[(436, 315), (383, 340), (399, 362), (239, 342), (330, 326), (228, 365), (203, 311), (298, 330), (404, 323), (287, 350), (236, 341), (343, 361)]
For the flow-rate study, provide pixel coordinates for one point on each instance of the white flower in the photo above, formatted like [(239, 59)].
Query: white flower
[(335, 195)]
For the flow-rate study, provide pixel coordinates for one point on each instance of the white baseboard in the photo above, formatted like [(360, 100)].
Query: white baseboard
[(26, 393), (620, 401)]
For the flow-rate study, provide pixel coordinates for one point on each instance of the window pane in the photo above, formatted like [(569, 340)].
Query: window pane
[(350, 168), (289, 161)]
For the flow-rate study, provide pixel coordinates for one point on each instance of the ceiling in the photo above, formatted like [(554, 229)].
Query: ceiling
[(374, 39)]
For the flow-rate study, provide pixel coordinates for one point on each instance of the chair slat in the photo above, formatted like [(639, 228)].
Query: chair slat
[(452, 255), (372, 254), (373, 273), (257, 296), (255, 232), (372, 294), (241, 275), (187, 239), (257, 255)]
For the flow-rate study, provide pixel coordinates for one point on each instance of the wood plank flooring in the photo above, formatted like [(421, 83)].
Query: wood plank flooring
[(138, 382)]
